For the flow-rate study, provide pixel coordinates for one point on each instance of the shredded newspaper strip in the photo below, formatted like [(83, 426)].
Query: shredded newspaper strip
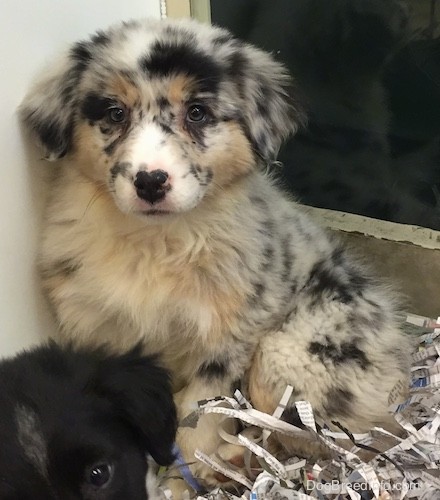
[(406, 467)]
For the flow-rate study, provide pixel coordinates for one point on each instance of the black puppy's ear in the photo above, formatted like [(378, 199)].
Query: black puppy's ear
[(48, 110), (271, 112), (140, 392)]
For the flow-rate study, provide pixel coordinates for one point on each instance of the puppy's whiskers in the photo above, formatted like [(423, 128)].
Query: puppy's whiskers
[(96, 195)]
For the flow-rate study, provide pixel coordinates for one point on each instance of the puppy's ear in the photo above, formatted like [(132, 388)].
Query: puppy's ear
[(48, 110), (271, 112), (140, 393)]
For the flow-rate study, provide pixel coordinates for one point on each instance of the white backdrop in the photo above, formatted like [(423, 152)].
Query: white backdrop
[(31, 33)]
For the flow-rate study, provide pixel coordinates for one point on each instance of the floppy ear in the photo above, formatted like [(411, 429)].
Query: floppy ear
[(48, 110), (271, 112), (140, 392)]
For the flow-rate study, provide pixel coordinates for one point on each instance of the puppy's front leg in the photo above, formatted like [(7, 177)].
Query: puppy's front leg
[(205, 436)]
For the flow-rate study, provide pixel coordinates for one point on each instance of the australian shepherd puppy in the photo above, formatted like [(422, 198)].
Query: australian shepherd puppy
[(163, 226)]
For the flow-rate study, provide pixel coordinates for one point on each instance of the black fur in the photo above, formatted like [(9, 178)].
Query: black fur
[(213, 369), (347, 352), (339, 281), (167, 58), (83, 408), (95, 107), (55, 137), (119, 168), (291, 416), (339, 403)]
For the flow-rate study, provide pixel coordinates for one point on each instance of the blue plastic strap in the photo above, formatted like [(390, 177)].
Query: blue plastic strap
[(185, 471)]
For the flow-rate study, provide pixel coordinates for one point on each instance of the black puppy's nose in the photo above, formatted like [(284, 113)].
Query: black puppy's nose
[(150, 185)]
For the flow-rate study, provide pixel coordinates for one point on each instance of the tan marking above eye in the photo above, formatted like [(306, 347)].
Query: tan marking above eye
[(120, 86), (179, 89)]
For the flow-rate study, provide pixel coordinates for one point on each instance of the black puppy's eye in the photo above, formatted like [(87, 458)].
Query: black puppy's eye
[(116, 114), (99, 475), (196, 113)]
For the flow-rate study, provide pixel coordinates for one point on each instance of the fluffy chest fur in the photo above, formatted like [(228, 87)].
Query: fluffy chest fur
[(198, 274), (218, 271)]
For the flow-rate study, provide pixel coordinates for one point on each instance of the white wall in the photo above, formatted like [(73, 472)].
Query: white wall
[(31, 33)]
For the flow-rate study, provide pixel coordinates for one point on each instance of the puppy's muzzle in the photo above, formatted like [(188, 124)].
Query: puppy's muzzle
[(151, 186)]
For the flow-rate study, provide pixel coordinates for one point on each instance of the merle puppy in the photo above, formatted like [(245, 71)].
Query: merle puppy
[(77, 424), (163, 225)]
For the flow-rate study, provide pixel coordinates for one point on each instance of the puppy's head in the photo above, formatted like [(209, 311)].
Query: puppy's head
[(163, 112), (78, 425)]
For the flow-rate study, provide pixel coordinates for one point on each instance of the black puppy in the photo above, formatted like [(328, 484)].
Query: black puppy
[(77, 424)]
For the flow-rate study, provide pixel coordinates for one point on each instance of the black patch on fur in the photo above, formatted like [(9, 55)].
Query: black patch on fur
[(268, 253), (262, 108), (95, 107), (197, 132), (338, 402), (163, 103), (212, 369), (119, 168), (237, 64), (236, 386), (230, 115), (222, 39), (337, 256), (209, 175), (109, 149), (341, 283), (291, 416), (66, 267), (259, 289), (255, 299), (167, 58), (100, 38), (164, 126), (194, 171), (346, 352), (81, 53), (267, 228), (287, 259), (293, 287), (55, 137), (203, 177)]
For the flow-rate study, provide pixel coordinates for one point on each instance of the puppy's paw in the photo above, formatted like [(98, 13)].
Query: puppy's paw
[(207, 479), (178, 488), (238, 458)]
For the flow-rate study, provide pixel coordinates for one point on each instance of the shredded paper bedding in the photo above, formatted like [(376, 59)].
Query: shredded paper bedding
[(406, 467)]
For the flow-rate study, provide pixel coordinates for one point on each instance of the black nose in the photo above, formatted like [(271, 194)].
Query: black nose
[(150, 185)]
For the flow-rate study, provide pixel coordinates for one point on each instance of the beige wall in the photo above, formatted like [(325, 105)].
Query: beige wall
[(178, 8), (412, 270)]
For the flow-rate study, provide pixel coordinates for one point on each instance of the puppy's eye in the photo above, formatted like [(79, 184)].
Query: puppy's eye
[(196, 113), (99, 475), (116, 114)]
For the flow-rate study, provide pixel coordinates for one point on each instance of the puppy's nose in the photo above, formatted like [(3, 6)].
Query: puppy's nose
[(150, 185)]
